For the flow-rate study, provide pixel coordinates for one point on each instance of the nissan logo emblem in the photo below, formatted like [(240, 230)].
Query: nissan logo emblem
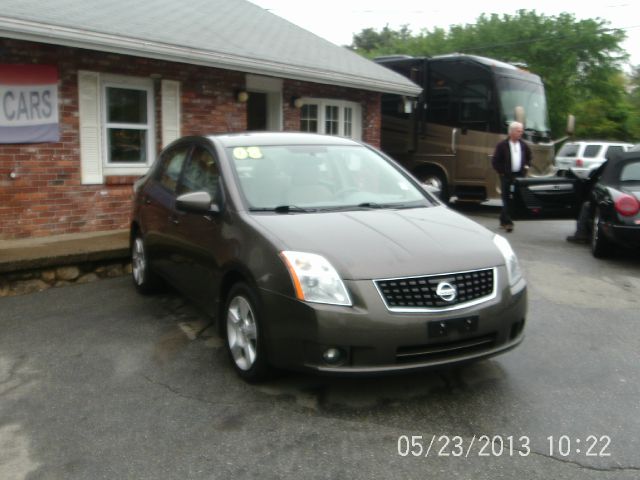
[(446, 291)]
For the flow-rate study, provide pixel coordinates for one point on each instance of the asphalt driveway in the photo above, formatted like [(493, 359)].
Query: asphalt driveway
[(97, 381)]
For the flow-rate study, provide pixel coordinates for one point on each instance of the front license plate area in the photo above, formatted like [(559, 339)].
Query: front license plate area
[(443, 328)]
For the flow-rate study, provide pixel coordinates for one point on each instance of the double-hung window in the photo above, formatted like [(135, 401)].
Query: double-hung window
[(118, 123), (331, 117), (128, 124)]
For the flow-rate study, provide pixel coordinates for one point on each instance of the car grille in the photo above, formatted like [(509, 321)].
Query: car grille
[(419, 293)]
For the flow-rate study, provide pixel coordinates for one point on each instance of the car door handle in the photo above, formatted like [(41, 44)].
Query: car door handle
[(175, 220)]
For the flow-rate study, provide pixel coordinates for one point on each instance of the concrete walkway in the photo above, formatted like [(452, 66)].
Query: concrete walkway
[(59, 250)]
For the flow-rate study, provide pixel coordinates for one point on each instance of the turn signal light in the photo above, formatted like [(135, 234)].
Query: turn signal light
[(579, 162), (627, 205)]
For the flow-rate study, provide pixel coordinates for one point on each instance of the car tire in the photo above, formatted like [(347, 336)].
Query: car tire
[(145, 280), (600, 245), (243, 332)]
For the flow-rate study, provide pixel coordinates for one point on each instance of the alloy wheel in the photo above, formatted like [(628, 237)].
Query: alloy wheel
[(242, 333), (138, 261)]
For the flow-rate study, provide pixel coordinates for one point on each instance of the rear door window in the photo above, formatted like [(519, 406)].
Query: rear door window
[(591, 151), (614, 150), (200, 174), (568, 150)]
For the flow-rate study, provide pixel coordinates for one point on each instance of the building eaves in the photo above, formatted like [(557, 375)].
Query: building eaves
[(334, 65)]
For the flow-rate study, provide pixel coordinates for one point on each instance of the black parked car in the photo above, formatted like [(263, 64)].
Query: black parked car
[(321, 253), (615, 205)]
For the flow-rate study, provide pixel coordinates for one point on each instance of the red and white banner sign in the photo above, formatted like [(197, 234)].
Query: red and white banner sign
[(29, 104)]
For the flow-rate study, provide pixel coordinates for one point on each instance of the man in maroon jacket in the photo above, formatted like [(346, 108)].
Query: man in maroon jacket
[(511, 159)]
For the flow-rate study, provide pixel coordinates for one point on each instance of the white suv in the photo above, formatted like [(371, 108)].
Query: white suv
[(583, 156)]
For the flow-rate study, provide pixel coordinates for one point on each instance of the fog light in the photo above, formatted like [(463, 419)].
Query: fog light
[(332, 356)]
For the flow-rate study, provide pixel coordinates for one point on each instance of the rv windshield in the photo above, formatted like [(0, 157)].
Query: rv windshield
[(530, 95)]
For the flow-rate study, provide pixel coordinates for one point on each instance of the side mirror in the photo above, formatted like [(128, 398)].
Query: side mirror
[(571, 124), (197, 202), (407, 105)]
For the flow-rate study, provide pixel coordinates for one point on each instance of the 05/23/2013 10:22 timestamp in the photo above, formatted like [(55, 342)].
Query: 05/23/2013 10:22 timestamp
[(501, 445)]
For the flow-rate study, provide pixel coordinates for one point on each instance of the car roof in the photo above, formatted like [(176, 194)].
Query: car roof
[(278, 138), (614, 166), (598, 142)]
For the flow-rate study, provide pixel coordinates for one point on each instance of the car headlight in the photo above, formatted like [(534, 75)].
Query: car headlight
[(511, 261), (315, 279)]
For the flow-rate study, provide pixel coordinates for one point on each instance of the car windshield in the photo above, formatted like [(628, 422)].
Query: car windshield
[(303, 178)]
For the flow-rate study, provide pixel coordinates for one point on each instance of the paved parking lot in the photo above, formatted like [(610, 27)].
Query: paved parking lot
[(99, 382)]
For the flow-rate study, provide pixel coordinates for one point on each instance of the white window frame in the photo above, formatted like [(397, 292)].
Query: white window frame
[(355, 120), (92, 131), (129, 83)]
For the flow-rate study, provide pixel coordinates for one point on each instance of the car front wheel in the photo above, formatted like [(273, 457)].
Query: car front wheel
[(244, 333), (144, 279)]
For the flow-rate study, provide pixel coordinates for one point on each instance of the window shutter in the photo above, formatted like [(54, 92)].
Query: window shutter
[(170, 111), (90, 141), (356, 133)]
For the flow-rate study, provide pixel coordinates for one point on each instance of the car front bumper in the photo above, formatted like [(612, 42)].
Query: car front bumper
[(372, 340)]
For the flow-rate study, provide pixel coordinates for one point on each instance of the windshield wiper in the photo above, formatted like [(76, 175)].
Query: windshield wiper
[(293, 209), (363, 205), (393, 206), (535, 131), (283, 209), (373, 205)]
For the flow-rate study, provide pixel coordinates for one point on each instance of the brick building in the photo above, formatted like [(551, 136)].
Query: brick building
[(130, 77)]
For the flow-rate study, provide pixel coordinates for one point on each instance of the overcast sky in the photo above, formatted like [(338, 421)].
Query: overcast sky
[(338, 20)]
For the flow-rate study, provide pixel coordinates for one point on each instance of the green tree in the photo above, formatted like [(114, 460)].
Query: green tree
[(633, 101), (579, 60), (606, 116)]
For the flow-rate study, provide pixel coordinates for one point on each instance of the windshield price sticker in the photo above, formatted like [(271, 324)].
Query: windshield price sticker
[(502, 446), (242, 153)]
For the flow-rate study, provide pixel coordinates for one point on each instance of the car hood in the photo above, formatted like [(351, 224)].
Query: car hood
[(387, 243)]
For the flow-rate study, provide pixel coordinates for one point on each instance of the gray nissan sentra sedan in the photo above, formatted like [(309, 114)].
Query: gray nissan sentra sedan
[(322, 254)]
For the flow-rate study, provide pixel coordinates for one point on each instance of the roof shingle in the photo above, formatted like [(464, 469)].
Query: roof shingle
[(230, 34)]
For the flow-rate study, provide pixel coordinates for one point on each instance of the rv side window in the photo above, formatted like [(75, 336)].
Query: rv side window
[(474, 103), (393, 105), (439, 105)]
